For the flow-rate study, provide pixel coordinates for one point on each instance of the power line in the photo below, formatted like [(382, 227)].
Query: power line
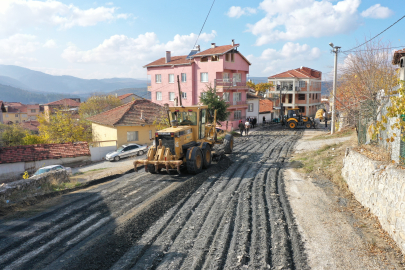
[(377, 35), (204, 23)]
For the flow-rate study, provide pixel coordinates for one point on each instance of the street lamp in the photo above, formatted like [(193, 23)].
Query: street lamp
[(335, 51)]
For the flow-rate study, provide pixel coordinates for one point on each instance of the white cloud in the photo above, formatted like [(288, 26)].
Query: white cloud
[(273, 61), (295, 19), (109, 4), (122, 50), (377, 12), (236, 12), (50, 44), (16, 49), (17, 14)]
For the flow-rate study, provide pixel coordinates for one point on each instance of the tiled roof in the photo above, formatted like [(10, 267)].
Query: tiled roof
[(251, 96), (64, 102), (175, 60), (30, 124), (128, 95), (265, 106), (16, 107), (397, 56), (129, 114), (217, 50), (36, 152), (299, 73)]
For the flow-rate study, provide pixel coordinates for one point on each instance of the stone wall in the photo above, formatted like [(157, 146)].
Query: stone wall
[(381, 188), (17, 190)]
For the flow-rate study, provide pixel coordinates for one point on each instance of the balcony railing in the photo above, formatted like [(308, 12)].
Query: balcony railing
[(234, 118), (233, 103), (229, 83)]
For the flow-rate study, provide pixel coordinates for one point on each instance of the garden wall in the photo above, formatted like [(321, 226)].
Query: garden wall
[(381, 188)]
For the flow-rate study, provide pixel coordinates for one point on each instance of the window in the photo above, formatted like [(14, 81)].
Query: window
[(158, 95), (227, 57), (183, 95), (302, 109), (16, 115), (237, 77), (150, 135), (204, 59), (301, 96), (232, 57), (237, 115), (16, 121), (316, 97), (171, 96), (225, 77), (237, 97), (183, 77), (158, 78), (226, 97), (132, 136), (214, 58), (204, 76), (171, 78), (7, 115), (250, 108), (33, 110), (302, 84)]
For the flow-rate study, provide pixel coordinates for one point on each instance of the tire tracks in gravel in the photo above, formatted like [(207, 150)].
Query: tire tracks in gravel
[(233, 215)]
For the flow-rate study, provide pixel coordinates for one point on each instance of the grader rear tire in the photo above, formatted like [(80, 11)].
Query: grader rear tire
[(194, 160), (151, 168), (292, 124), (228, 144), (206, 151)]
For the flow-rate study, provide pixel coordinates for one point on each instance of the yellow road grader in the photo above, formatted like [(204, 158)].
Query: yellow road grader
[(188, 142)]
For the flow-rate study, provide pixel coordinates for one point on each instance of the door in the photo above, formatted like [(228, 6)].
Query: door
[(236, 78)]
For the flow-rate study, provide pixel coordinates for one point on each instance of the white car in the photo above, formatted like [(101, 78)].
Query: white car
[(127, 150), (52, 168)]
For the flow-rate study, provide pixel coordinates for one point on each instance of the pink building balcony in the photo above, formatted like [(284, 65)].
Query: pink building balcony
[(220, 84), (236, 118)]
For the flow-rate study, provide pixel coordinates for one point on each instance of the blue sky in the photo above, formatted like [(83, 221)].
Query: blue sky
[(102, 39)]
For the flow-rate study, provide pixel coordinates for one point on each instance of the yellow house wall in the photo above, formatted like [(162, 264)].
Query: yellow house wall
[(12, 117), (104, 133), (143, 134)]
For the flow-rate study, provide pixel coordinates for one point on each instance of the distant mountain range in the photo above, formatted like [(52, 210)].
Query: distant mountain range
[(28, 86)]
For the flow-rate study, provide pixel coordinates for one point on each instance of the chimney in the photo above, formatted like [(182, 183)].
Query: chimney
[(213, 45), (142, 114), (168, 57), (233, 42), (198, 48)]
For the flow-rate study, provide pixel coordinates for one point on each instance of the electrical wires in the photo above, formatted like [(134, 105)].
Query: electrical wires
[(204, 23)]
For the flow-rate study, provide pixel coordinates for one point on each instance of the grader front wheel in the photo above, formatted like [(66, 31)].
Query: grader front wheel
[(194, 160), (308, 124)]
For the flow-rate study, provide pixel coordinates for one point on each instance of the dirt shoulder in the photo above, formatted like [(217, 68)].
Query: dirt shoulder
[(338, 232)]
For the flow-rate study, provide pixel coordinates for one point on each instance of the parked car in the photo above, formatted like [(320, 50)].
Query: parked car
[(127, 150), (52, 168)]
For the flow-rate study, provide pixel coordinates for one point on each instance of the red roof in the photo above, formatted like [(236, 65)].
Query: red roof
[(299, 73), (397, 56), (30, 124), (265, 106), (130, 114), (64, 102), (36, 152), (16, 107), (128, 95), (175, 60), (217, 50)]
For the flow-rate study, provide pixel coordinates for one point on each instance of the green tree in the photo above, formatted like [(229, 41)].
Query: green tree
[(214, 102), (61, 127), (98, 104), (259, 88), (30, 139), (11, 135), (162, 121)]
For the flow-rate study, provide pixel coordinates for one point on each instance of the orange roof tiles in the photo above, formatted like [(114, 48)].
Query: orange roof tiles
[(397, 56), (64, 102), (36, 152), (30, 124), (129, 114), (216, 50), (175, 60), (265, 106), (251, 96), (300, 73), (16, 107), (128, 95)]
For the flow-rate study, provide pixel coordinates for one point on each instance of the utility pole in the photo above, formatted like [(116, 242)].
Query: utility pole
[(332, 124), (178, 84)]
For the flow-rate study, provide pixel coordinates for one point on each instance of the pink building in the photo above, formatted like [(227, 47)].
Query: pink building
[(223, 67)]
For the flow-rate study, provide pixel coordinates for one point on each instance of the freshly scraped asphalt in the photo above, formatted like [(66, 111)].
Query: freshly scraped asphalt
[(235, 215)]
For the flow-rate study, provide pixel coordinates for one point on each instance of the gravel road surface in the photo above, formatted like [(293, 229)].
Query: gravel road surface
[(235, 215)]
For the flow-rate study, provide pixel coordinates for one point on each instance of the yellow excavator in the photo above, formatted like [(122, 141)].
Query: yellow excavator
[(188, 142), (294, 119)]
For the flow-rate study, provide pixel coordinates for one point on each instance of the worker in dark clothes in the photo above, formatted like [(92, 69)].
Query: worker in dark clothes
[(241, 127)]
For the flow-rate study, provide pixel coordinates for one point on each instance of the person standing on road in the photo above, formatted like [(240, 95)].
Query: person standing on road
[(241, 127), (254, 121), (325, 117), (264, 120), (247, 126)]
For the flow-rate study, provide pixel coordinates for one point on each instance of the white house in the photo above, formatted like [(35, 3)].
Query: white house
[(253, 106)]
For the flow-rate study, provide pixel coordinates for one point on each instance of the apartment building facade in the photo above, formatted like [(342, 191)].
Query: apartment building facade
[(16, 112), (222, 67), (299, 87)]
